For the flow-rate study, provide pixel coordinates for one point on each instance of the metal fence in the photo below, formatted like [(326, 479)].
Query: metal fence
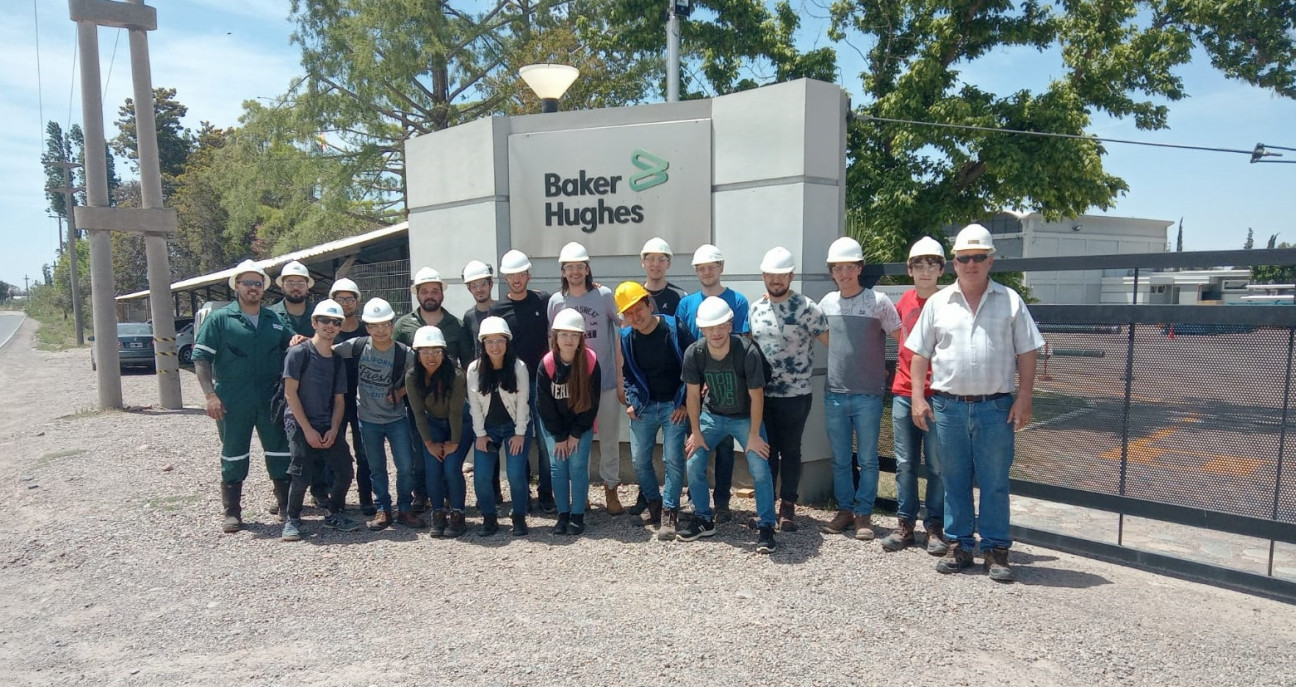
[(1180, 414), (388, 280)]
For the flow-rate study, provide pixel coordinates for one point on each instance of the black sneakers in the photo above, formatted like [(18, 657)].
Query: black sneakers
[(765, 543), (698, 527)]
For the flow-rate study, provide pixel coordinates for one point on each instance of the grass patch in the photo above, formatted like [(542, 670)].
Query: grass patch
[(57, 331), (171, 503), (50, 458)]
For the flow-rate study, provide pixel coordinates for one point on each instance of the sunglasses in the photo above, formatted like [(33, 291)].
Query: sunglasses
[(329, 321), (252, 283), (978, 258)]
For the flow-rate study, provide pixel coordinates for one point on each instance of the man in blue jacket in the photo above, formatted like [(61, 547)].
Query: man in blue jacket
[(653, 360)]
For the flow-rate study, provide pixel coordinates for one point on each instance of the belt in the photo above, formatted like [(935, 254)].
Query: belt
[(971, 399)]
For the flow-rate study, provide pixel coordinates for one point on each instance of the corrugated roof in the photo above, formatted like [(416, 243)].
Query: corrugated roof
[(323, 251)]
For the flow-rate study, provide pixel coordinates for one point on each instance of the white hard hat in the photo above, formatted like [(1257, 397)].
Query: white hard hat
[(476, 269), (245, 267), (514, 262), (294, 269), (974, 237), (573, 252), (426, 275), (927, 246), (656, 245), (714, 310), (494, 326), (328, 308), (377, 311), (429, 337), (569, 320), (346, 285), (778, 260), (845, 249), (707, 253)]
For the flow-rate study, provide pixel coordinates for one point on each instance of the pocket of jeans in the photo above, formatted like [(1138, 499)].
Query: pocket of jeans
[(937, 402)]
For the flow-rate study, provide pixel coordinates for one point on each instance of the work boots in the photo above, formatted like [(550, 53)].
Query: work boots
[(864, 527), (281, 496), (231, 500), (652, 515), (840, 522), (787, 516), (455, 526), (901, 538), (439, 522), (669, 524), (640, 505), (614, 506), (937, 545)]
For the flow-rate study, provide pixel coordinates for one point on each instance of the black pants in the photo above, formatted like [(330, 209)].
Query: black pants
[(785, 420), (307, 462), (724, 465), (321, 483)]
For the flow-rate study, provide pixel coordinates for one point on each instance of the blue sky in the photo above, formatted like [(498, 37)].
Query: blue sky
[(218, 53)]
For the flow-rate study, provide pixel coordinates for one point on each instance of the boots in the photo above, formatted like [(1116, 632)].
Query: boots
[(231, 500), (669, 524), (519, 525), (864, 527), (936, 542), (281, 496), (577, 525), (455, 527), (563, 524), (614, 506), (901, 538), (490, 525), (652, 515), (439, 522), (840, 522), (787, 516), (640, 505)]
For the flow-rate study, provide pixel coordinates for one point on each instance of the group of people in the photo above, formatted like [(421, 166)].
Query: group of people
[(702, 370)]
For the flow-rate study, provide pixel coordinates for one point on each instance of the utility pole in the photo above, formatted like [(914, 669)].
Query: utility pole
[(27, 287), (672, 52), (99, 219), (69, 202)]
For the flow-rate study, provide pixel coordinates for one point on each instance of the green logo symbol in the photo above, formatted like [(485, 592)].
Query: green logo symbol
[(654, 173)]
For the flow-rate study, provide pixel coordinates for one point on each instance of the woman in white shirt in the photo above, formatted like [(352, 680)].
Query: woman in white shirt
[(498, 397)]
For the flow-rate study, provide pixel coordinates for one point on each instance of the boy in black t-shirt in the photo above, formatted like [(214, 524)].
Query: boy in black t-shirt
[(733, 370), (315, 384)]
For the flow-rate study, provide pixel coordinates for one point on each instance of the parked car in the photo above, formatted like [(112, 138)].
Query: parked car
[(134, 346), (185, 341)]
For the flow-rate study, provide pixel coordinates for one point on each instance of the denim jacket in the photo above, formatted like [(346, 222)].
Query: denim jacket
[(636, 387)]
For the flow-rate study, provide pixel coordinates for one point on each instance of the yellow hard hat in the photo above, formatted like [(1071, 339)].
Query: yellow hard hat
[(629, 293)]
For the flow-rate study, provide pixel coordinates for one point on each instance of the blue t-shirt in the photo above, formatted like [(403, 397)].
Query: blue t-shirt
[(324, 379), (686, 313)]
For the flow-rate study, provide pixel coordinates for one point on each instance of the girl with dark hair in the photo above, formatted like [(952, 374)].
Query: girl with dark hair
[(436, 392), (568, 401), (499, 399)]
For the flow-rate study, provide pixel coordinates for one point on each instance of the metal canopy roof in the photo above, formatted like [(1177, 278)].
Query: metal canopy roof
[(352, 245)]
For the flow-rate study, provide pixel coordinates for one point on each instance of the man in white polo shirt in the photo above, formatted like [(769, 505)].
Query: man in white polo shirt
[(976, 336)]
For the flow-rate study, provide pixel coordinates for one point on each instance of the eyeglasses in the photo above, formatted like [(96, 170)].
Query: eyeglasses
[(252, 283), (978, 258), (655, 258), (839, 269), (294, 283), (345, 299), (432, 352), (495, 341), (329, 321), (921, 266)]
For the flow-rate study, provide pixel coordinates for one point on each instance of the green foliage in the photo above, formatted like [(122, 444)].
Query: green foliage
[(1275, 274), (174, 142), (57, 330), (1250, 239), (5, 289), (1119, 58)]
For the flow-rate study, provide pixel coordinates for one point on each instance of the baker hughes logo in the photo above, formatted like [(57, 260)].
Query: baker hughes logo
[(590, 217)]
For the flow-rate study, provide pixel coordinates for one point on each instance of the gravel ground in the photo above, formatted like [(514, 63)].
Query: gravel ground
[(113, 570)]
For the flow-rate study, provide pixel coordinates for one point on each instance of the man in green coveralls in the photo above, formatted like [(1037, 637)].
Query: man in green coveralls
[(238, 358), (295, 282)]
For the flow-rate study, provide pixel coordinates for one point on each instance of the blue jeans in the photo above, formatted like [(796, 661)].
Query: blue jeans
[(908, 439), (445, 477), (976, 444), (398, 434), (544, 487), (570, 474), (484, 467), (643, 437), (716, 428), (861, 415)]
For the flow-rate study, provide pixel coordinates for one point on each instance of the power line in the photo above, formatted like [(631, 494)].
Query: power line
[(76, 44), (40, 95), (1050, 134)]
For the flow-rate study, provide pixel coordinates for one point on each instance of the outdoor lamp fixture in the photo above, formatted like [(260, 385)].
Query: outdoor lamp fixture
[(682, 8), (549, 82)]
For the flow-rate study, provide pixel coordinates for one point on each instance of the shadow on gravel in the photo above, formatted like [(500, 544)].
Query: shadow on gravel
[(1054, 577), (153, 410)]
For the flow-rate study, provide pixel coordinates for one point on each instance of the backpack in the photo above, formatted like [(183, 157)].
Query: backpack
[(590, 361), (279, 402), (748, 347)]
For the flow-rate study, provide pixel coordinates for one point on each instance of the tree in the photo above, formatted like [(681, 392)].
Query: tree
[(1119, 57), (173, 140), (1275, 274), (1179, 241), (5, 291), (1273, 238), (1250, 239), (201, 243)]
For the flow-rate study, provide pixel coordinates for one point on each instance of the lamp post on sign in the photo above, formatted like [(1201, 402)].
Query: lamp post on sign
[(675, 10), (549, 82)]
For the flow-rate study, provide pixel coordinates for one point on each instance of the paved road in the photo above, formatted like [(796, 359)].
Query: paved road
[(9, 323)]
